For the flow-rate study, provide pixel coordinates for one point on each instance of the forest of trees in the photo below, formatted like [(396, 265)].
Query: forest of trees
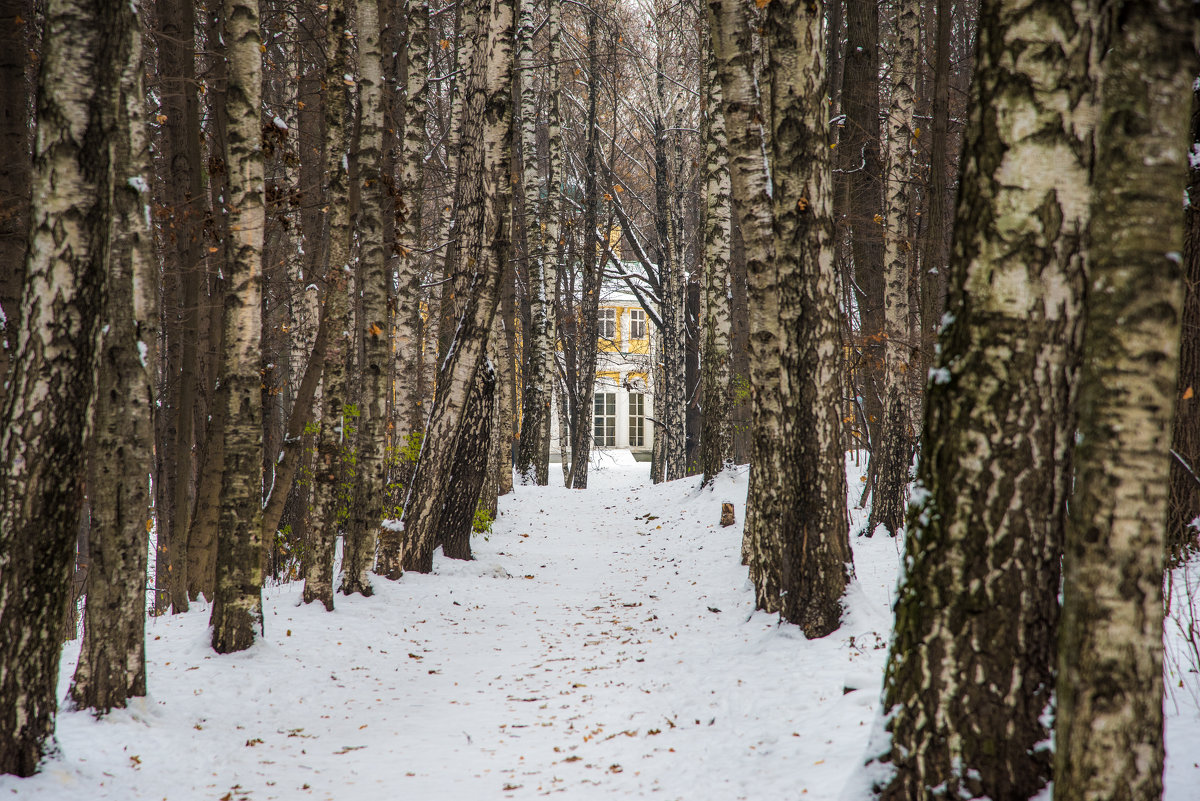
[(274, 272)]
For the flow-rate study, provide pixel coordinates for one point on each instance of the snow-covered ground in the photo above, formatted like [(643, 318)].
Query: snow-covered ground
[(603, 644)]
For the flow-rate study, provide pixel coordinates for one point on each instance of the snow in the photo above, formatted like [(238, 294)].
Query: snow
[(602, 645)]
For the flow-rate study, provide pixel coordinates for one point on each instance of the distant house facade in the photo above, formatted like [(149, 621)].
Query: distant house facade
[(622, 403)]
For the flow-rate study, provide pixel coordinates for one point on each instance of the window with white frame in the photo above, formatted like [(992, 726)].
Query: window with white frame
[(606, 324), (637, 420), (637, 324), (604, 419)]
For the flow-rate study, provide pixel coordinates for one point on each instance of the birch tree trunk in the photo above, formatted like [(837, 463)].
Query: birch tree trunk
[(331, 499), (716, 438), (750, 179), (410, 418), (492, 103), (805, 551), (202, 536), (985, 526), (533, 456), (112, 658), (669, 404), (1109, 718), (237, 605), (469, 469), (892, 451), (51, 378), (374, 329)]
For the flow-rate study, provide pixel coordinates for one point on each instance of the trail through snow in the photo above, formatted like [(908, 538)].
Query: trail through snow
[(602, 644)]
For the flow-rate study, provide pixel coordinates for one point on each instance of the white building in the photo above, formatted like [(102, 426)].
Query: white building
[(623, 399)]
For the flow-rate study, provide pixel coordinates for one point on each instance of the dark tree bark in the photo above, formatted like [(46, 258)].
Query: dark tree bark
[(112, 658), (16, 169), (934, 250), (860, 163), (589, 300), (470, 465), (330, 497), (1183, 506), (892, 450), (202, 536), (182, 199)]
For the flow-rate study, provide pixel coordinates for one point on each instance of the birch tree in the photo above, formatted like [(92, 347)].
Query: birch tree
[(589, 294), (368, 475), (804, 552), (237, 605), (410, 418), (330, 506), (16, 169), (1109, 716), (51, 378), (491, 108), (985, 526), (733, 46), (533, 457), (717, 436), (112, 659), (892, 449)]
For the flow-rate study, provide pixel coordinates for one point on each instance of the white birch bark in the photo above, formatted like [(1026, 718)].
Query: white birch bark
[(717, 436), (533, 458), (330, 500), (750, 180), (985, 530), (51, 378), (806, 549), (410, 416), (490, 103), (237, 603), (892, 453), (374, 332), (1109, 718)]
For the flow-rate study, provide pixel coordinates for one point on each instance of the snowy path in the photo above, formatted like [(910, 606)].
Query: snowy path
[(602, 645), (581, 653)]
